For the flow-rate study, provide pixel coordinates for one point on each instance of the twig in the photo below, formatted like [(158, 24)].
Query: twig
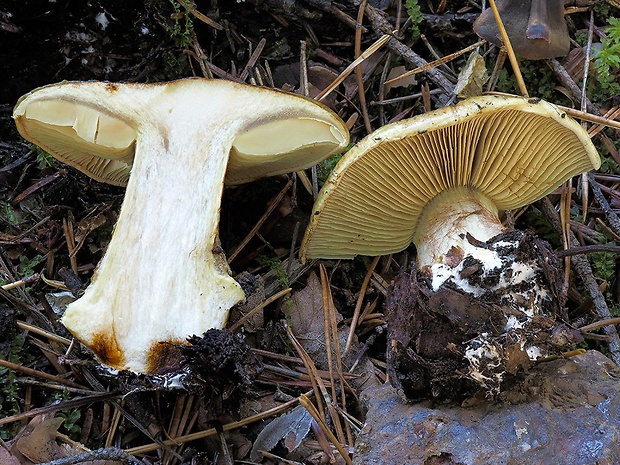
[(434, 64), (562, 75), (329, 334), (253, 59), (599, 324), (67, 404), (583, 269), (21, 282), (610, 215), (258, 308), (67, 226), (349, 69), (588, 249), (590, 117), (584, 107), (41, 332), (359, 75), (189, 7), (380, 23), (107, 454), (303, 400), (331, 314), (38, 374)]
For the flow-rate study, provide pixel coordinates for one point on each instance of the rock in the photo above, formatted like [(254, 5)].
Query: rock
[(565, 412)]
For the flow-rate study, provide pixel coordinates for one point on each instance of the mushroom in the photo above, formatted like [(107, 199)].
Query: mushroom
[(434, 178), (440, 180), (163, 277), (536, 28)]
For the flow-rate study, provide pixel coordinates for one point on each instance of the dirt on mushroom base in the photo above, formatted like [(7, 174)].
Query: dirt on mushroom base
[(453, 344)]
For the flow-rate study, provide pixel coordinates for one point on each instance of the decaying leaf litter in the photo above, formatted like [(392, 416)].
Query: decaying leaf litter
[(58, 223)]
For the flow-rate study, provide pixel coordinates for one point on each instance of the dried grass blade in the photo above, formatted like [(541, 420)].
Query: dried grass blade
[(436, 63), (212, 431), (274, 203), (360, 299), (308, 405), (349, 69), (511, 54)]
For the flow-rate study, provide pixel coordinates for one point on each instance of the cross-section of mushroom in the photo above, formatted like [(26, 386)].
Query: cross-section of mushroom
[(162, 277), (440, 181)]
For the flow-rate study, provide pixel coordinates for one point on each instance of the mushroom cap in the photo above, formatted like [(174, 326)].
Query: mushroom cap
[(512, 150), (88, 134), (536, 28)]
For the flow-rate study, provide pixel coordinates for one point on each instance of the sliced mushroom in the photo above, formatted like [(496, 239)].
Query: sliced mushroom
[(536, 28), (162, 278)]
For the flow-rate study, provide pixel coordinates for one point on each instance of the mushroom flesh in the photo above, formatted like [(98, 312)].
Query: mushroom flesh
[(163, 276)]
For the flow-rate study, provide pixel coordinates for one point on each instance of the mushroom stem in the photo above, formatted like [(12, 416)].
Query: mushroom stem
[(163, 277), (447, 220), (176, 184)]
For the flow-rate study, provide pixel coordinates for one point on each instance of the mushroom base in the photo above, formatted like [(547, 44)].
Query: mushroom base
[(452, 344), (450, 222)]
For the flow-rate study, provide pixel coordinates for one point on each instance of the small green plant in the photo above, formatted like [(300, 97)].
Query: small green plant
[(276, 265), (27, 265), (9, 387), (70, 416), (415, 14), (326, 167), (607, 58), (9, 213), (538, 79), (44, 159), (182, 30)]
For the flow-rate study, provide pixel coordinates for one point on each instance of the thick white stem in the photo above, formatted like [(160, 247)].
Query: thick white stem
[(446, 221), (159, 280)]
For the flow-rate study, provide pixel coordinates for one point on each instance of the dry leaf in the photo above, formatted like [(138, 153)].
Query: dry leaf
[(307, 313), (40, 445), (6, 458), (404, 82), (292, 427), (472, 77)]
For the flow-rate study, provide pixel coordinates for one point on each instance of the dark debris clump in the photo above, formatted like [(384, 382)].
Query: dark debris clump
[(220, 362)]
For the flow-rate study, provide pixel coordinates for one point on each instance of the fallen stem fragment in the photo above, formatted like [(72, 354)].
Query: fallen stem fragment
[(588, 249), (572, 353), (360, 299), (42, 332), (509, 50), (106, 454), (38, 374), (68, 404), (21, 282), (599, 324), (434, 64)]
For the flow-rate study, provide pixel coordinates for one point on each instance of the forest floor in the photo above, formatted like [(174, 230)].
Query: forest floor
[(57, 222)]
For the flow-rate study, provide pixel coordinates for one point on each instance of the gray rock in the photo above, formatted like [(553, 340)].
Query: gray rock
[(565, 412)]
